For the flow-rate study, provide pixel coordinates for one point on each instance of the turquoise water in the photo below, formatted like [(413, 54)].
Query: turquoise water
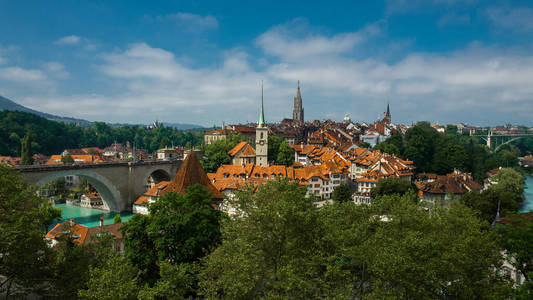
[(528, 192), (88, 216)]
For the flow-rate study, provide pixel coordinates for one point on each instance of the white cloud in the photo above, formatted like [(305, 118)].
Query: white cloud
[(191, 22), (476, 84), (20, 74), (69, 40), (514, 18), (291, 41), (56, 69)]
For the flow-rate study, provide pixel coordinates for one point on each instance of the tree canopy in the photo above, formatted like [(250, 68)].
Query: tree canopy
[(51, 137), (440, 153), (282, 246)]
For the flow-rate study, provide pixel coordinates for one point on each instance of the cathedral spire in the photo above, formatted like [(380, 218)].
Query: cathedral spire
[(388, 111), (261, 122), (298, 111)]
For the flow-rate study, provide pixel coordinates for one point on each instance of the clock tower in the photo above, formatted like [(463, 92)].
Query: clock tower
[(261, 137)]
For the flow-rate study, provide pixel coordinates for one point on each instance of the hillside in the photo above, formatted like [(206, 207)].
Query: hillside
[(52, 137), (6, 104)]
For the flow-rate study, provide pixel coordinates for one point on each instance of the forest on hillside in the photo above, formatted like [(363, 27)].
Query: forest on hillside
[(50, 137)]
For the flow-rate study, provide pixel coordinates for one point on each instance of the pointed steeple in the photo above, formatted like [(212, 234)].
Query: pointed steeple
[(298, 111), (388, 111), (261, 122)]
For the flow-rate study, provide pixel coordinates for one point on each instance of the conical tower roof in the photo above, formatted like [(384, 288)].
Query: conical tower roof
[(261, 123), (298, 95), (190, 173)]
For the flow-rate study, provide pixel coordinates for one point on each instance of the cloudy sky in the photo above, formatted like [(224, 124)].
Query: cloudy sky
[(202, 62)]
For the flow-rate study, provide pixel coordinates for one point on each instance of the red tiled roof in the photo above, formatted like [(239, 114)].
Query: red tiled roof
[(190, 173)]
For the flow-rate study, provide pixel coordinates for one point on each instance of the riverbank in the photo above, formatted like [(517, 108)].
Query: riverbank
[(527, 205)]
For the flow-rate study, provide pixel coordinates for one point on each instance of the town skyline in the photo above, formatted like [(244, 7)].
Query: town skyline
[(442, 61)]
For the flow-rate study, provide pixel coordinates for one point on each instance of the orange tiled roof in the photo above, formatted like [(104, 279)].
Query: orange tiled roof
[(190, 173), (244, 149), (78, 231)]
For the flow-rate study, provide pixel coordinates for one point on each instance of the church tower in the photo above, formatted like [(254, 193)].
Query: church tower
[(261, 137), (387, 118), (298, 111)]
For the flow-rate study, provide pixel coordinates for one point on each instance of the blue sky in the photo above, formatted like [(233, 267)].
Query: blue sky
[(202, 62)]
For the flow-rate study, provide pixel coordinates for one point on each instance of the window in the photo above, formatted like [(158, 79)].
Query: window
[(261, 135)]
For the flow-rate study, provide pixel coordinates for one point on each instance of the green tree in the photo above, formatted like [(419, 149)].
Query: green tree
[(25, 255), (117, 219), (387, 148), (448, 156), (217, 154), (117, 279), (26, 153), (269, 253), (507, 158), (184, 227), (177, 282), (67, 159), (139, 247), (274, 143), (517, 239), (510, 180), (391, 186), (342, 193), (402, 259), (281, 246), (163, 143), (285, 154), (50, 214), (72, 264)]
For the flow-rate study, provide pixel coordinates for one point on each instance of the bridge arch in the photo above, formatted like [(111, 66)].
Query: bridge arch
[(158, 175), (109, 193), (508, 142)]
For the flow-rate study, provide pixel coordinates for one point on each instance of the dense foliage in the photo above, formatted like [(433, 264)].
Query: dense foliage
[(282, 246), (517, 239), (216, 153), (508, 193), (440, 153), (390, 186), (342, 193), (25, 257), (50, 137), (168, 243)]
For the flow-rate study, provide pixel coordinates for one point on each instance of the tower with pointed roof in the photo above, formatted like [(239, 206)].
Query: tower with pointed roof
[(261, 137), (387, 118), (298, 110)]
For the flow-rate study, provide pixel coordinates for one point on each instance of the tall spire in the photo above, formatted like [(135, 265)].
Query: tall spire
[(261, 122), (298, 111), (388, 111)]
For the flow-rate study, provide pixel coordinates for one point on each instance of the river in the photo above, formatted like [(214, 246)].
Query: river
[(527, 205), (88, 216)]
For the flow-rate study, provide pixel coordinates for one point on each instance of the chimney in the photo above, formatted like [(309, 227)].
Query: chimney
[(101, 222), (71, 221)]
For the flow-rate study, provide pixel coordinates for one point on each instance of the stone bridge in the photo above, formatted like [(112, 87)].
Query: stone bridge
[(118, 183)]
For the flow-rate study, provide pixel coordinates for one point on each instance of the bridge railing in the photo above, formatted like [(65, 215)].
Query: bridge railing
[(37, 168)]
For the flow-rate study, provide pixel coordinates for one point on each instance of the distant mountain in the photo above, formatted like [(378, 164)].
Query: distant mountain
[(184, 126), (6, 104)]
